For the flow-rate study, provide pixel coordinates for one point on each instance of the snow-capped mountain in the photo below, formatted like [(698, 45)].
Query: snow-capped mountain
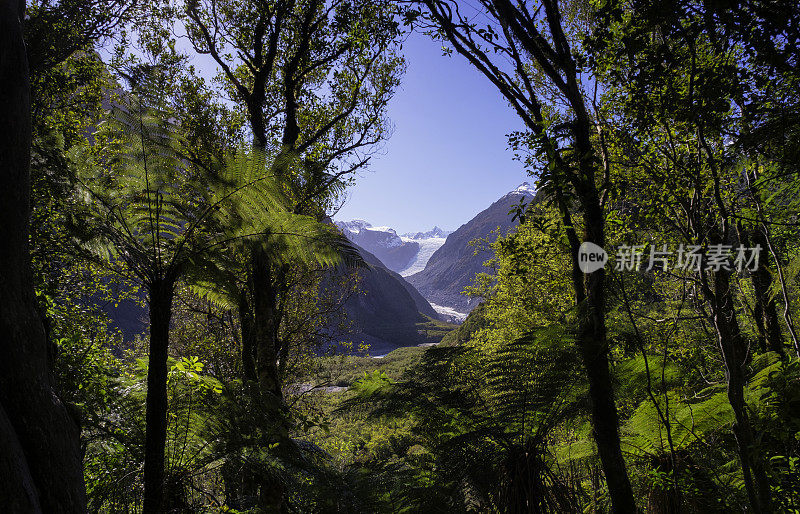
[(392, 250), (360, 229), (523, 189), (406, 254), (434, 233)]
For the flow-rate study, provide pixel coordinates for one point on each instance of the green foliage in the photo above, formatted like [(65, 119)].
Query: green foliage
[(475, 412), (249, 209), (369, 384), (695, 140), (114, 435)]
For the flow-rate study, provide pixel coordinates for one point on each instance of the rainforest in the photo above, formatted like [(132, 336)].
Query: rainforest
[(191, 323)]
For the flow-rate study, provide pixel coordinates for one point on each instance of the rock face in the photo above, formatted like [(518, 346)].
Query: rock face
[(40, 455), (382, 285), (452, 267)]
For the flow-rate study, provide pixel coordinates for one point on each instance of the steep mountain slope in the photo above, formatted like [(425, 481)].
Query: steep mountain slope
[(452, 267), (389, 312), (380, 270)]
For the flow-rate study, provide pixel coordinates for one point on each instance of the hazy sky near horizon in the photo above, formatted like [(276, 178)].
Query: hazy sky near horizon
[(448, 156)]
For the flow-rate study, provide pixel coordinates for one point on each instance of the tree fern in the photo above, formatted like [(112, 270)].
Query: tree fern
[(157, 219), (248, 207)]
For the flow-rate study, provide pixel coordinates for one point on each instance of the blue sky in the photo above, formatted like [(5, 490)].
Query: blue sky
[(448, 157)]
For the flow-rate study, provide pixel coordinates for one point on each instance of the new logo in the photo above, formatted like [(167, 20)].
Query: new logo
[(591, 257)]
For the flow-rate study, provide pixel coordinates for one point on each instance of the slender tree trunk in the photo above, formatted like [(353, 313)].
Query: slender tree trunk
[(237, 479), (592, 331), (592, 339), (160, 293), (762, 279), (734, 352), (261, 321), (255, 111), (248, 346), (265, 325), (765, 237), (40, 459), (556, 62), (765, 311), (590, 295)]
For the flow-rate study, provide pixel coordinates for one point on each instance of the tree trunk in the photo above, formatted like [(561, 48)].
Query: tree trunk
[(594, 350), (734, 353), (762, 279), (19, 493), (260, 325), (40, 468), (765, 313), (248, 346), (255, 111), (592, 332), (590, 295), (160, 300), (265, 338), (265, 325)]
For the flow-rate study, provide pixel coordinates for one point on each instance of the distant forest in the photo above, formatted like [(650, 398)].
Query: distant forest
[(633, 339)]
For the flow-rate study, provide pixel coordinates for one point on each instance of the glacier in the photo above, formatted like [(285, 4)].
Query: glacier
[(426, 248), (450, 313), (385, 243)]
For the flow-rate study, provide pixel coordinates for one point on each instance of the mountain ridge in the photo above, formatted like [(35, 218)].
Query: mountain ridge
[(452, 267)]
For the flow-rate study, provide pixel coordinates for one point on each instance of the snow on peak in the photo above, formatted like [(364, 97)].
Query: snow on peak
[(353, 226), (524, 189), (381, 229), (435, 232), (364, 234), (384, 236)]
